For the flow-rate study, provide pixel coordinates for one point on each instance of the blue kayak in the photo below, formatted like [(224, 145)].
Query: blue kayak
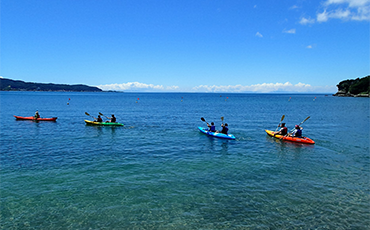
[(219, 135)]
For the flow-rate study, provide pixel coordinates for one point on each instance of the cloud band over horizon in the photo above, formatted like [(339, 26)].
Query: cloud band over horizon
[(257, 88)]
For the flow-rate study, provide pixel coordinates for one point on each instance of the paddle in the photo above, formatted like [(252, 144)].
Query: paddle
[(222, 120), (282, 118), (301, 123), (202, 118), (304, 121), (89, 115), (103, 115)]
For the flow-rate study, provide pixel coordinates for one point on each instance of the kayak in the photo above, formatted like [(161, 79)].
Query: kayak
[(304, 140), (103, 123), (33, 118), (219, 135)]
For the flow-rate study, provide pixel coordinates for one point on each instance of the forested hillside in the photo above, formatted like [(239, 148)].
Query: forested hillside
[(13, 85), (359, 87)]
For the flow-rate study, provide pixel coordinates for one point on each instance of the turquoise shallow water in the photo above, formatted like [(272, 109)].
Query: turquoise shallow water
[(160, 172)]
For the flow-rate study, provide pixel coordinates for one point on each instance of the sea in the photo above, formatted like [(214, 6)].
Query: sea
[(159, 172)]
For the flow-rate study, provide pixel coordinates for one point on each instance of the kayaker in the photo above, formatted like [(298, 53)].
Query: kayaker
[(297, 131), (99, 119), (211, 127), (112, 119), (282, 131), (37, 115), (225, 128)]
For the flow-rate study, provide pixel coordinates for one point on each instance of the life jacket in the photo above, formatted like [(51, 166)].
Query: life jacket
[(225, 130), (298, 133), (284, 131), (113, 119), (213, 128)]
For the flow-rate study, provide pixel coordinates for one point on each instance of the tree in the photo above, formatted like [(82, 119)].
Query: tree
[(360, 86)]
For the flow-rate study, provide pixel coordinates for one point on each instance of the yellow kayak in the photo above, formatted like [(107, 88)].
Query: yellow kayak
[(103, 123)]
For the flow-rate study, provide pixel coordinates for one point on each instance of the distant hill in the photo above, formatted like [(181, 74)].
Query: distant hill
[(14, 85), (359, 87)]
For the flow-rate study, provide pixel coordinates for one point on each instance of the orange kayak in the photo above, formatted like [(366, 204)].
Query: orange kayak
[(33, 118), (304, 140)]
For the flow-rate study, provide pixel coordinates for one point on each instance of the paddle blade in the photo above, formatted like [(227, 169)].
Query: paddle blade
[(222, 118), (87, 114), (306, 119), (101, 114), (202, 118), (282, 118)]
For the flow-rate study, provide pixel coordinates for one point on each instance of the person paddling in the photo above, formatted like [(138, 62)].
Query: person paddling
[(225, 128), (283, 131), (99, 119), (211, 127), (297, 131), (37, 115), (112, 119)]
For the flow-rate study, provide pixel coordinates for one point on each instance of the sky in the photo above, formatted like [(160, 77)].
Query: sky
[(236, 46)]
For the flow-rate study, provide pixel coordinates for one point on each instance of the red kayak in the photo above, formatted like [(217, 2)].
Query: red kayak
[(33, 118), (304, 140)]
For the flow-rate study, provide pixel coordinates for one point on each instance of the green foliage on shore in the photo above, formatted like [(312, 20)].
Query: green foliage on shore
[(355, 86), (361, 86), (13, 85)]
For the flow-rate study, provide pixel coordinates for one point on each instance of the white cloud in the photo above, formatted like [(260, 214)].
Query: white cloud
[(258, 34), (309, 47), (257, 88), (264, 88), (305, 21), (137, 86), (294, 7), (358, 10), (322, 17), (351, 3), (291, 31), (338, 14)]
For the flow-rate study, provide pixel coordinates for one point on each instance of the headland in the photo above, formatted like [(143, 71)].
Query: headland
[(16, 85), (359, 87)]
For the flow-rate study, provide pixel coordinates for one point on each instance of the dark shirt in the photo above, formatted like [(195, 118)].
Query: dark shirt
[(224, 130), (284, 130), (297, 133)]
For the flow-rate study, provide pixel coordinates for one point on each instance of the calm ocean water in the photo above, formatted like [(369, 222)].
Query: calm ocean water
[(160, 172)]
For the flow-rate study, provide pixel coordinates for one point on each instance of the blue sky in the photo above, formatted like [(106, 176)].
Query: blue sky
[(187, 46)]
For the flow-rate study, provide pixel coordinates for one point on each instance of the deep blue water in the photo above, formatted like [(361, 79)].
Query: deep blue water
[(160, 172)]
